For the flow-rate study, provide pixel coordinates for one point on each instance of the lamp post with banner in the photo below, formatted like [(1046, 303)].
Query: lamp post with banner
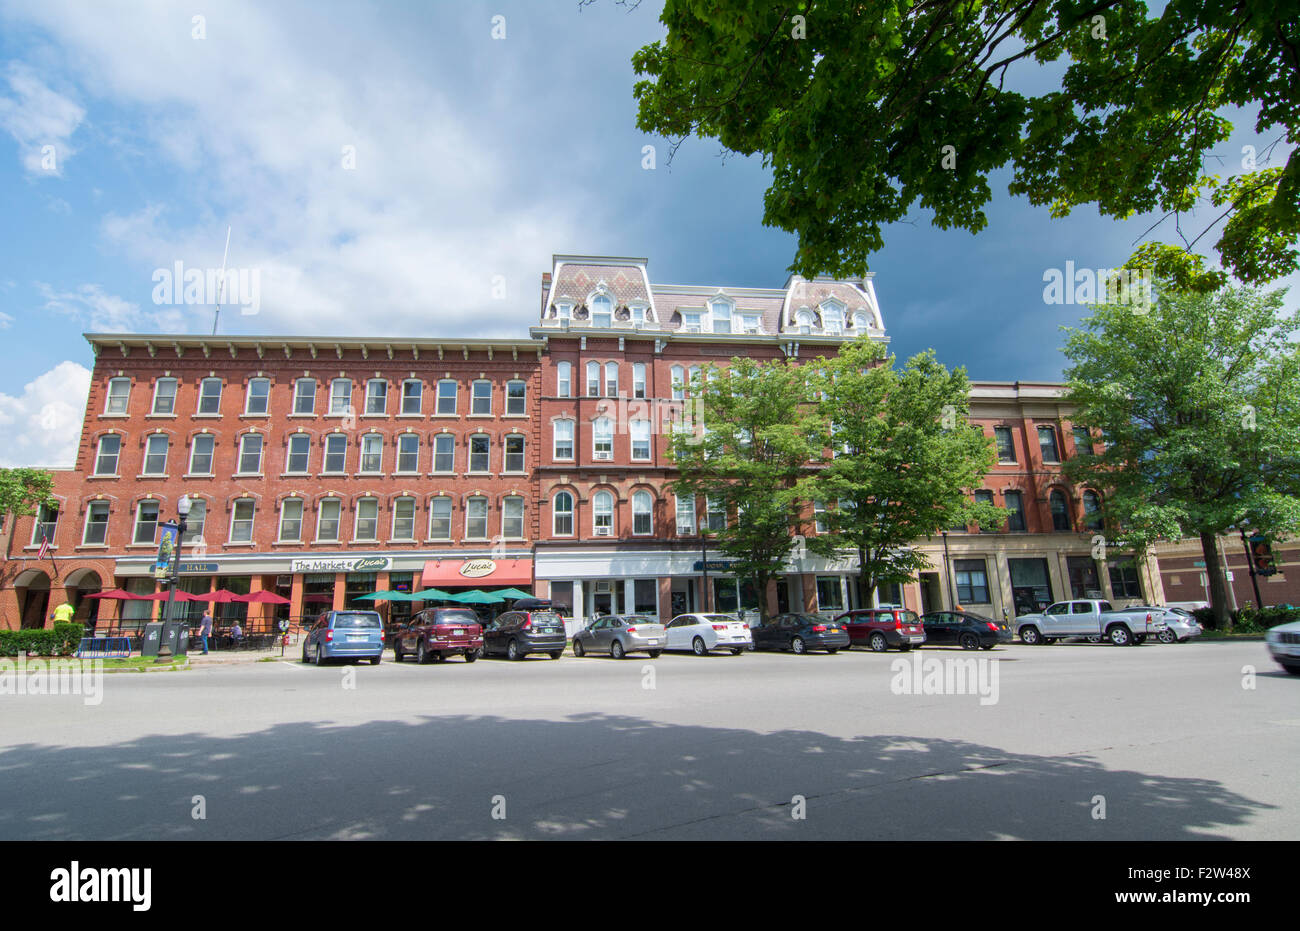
[(168, 568)]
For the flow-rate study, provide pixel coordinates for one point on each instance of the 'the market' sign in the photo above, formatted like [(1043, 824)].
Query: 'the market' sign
[(344, 564)]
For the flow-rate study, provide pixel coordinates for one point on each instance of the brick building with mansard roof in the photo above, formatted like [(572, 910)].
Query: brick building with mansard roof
[(326, 468)]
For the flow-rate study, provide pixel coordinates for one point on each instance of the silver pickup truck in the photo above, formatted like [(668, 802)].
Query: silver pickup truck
[(1089, 618)]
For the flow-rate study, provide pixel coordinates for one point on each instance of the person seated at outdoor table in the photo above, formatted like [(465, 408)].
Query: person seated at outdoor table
[(236, 633)]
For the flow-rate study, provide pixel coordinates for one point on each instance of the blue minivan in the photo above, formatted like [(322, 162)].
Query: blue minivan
[(345, 635)]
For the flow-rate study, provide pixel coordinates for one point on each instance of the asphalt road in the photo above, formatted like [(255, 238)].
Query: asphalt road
[(1166, 738)]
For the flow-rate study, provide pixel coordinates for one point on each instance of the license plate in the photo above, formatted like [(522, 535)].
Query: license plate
[(356, 638), (652, 641), (458, 633)]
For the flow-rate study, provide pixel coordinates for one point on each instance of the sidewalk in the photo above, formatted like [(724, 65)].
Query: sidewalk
[(292, 653)]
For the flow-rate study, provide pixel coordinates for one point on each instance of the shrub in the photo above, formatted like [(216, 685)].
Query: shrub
[(61, 641)]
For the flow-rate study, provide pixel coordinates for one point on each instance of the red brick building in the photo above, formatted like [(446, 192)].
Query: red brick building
[(323, 469)]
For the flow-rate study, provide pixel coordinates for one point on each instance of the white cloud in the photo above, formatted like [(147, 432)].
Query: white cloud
[(40, 119), (6, 321), (255, 119), (100, 312), (42, 425)]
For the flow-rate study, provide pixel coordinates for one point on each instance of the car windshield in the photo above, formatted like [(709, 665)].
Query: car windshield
[(461, 616), (356, 620)]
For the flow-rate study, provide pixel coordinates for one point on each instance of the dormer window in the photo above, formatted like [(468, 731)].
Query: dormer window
[(720, 316), (751, 323), (804, 321), (638, 314), (860, 321), (833, 317), (692, 321), (602, 311), (564, 311)]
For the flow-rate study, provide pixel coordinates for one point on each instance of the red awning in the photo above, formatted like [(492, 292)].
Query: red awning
[(477, 572)]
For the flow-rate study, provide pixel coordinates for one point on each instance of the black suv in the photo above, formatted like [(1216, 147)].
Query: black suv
[(531, 626)]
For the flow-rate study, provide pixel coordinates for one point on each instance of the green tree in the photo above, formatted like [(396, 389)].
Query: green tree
[(754, 434), (865, 108), (22, 491), (1198, 399), (905, 463)]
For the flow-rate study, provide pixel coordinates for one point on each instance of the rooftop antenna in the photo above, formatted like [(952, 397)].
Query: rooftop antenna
[(221, 284)]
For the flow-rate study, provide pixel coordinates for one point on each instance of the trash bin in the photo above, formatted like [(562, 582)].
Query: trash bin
[(179, 639), (152, 639)]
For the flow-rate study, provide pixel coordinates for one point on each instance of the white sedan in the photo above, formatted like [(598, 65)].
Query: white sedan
[(1284, 644), (701, 633)]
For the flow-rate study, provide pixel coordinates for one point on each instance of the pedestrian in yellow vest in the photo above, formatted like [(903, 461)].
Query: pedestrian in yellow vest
[(63, 613)]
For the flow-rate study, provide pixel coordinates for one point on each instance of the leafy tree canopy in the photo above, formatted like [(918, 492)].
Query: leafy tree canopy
[(22, 491), (865, 108)]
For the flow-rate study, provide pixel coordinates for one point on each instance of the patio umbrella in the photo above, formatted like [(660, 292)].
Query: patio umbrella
[(429, 594), (220, 596), (162, 596), (512, 593), (117, 593), (263, 598), (382, 596), (476, 597)]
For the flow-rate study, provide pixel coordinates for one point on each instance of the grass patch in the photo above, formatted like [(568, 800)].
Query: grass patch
[(144, 664), (1233, 635)]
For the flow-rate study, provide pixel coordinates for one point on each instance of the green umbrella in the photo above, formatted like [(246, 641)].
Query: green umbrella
[(429, 594), (476, 597), (382, 596), (512, 593)]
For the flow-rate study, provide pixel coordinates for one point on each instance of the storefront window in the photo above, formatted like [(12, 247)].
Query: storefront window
[(1030, 585), (725, 597), (400, 611), (1083, 577), (972, 581), (358, 584), (645, 596), (1124, 579), (829, 595), (562, 597)]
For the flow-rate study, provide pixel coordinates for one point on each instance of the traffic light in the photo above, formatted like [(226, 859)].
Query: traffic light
[(1261, 556)]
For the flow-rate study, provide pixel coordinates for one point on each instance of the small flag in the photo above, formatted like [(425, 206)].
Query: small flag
[(45, 548)]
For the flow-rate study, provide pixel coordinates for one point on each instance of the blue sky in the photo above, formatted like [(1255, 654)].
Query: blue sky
[(381, 165)]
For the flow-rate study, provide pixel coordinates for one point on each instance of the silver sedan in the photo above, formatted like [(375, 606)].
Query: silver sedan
[(619, 635), (1181, 625)]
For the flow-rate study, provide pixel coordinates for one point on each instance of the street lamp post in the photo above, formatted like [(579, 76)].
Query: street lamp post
[(165, 648)]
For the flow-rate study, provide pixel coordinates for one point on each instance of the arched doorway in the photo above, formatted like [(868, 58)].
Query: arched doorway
[(32, 586), (80, 584)]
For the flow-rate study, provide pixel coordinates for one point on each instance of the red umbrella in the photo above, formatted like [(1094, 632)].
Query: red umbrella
[(117, 593), (263, 597), (220, 596)]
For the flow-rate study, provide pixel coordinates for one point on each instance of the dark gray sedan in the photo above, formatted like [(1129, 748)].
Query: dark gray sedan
[(620, 634), (800, 633)]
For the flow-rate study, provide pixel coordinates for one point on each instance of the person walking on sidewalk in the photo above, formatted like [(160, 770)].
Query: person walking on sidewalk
[(205, 630)]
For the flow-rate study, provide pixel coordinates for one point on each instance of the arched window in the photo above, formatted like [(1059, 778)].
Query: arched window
[(1060, 511), (1092, 510), (804, 321), (860, 321), (602, 513), (562, 515), (642, 513)]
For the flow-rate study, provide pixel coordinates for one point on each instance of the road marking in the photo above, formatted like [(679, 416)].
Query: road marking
[(285, 662)]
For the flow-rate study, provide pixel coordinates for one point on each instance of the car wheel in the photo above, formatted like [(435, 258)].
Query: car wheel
[(1119, 635), (421, 654), (578, 649), (1167, 636), (555, 654), (697, 645), (305, 660), (1030, 635), (397, 652), (512, 650), (616, 649), (1049, 640), (987, 646), (736, 651), (1293, 670), (376, 659), (831, 652), (654, 654), (969, 642), (319, 658), (878, 643), (797, 645), (1093, 639), (471, 656), (1140, 638)]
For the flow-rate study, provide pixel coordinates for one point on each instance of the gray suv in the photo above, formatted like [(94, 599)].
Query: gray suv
[(535, 629)]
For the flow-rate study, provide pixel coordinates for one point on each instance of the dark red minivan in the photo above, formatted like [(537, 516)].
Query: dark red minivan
[(436, 633), (882, 628)]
